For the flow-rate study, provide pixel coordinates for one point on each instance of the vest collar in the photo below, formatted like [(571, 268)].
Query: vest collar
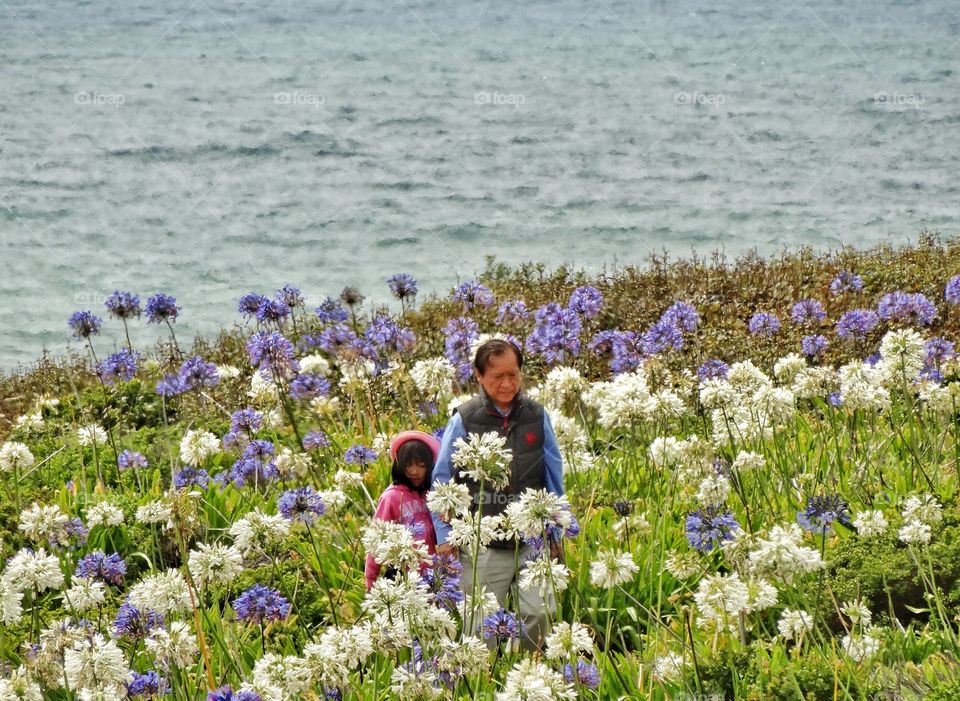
[(519, 402)]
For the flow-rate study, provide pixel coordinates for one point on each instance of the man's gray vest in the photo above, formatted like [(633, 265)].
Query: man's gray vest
[(523, 429)]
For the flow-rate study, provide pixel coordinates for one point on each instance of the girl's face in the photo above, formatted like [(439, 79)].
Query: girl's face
[(416, 472)]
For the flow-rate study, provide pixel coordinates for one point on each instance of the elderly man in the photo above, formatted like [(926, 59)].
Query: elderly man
[(537, 464)]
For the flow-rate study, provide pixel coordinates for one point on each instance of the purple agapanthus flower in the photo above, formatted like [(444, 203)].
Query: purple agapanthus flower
[(109, 569), (291, 296), (710, 527), (84, 325), (937, 350), (130, 458), (308, 385), (586, 301), (763, 324), (133, 624), (472, 294), (951, 291), (907, 307), (556, 334), (170, 386), (856, 324), (196, 373), (331, 311), (661, 337), (250, 303), (275, 310), (402, 286), (443, 581), (256, 465), (162, 308), (148, 684), (123, 305), (512, 312), (821, 511), (341, 341), (808, 312), (225, 693), (360, 455), (586, 675), (246, 420), (683, 315), (272, 351), (315, 440), (813, 345), (118, 367), (713, 369), (260, 604), (302, 505), (622, 348), (503, 626), (460, 333), (846, 281), (191, 477), (387, 336)]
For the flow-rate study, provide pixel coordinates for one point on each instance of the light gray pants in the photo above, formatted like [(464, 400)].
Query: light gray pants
[(497, 571)]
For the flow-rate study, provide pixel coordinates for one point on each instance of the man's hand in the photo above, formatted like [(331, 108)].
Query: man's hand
[(447, 550)]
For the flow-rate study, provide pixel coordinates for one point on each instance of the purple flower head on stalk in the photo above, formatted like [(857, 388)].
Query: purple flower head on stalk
[(119, 367), (76, 532), (460, 333), (331, 311), (98, 565), (856, 324), (251, 471), (763, 324), (272, 352), (315, 440), (170, 386), (191, 477), (196, 373), (951, 292), (161, 307), (502, 626), (683, 315), (426, 409), (260, 604), (246, 420), (621, 347), (472, 294), (341, 341), (708, 528), (133, 624), (443, 581), (403, 286), (84, 325), (713, 369), (808, 312), (587, 675), (291, 296), (821, 511), (147, 684), (813, 346), (835, 399), (351, 297), (846, 281), (302, 504), (275, 310), (661, 337), (938, 350), (907, 308), (872, 359), (387, 336), (309, 385), (586, 301), (250, 304), (225, 693), (360, 455), (556, 334), (931, 374), (512, 312), (123, 305), (130, 458)]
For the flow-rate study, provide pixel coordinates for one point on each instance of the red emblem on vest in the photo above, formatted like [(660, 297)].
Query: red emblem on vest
[(531, 438)]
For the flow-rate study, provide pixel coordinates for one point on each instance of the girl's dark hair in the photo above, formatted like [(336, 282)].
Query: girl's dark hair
[(496, 346), (410, 452)]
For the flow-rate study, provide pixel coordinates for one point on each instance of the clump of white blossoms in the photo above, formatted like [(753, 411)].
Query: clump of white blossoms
[(570, 436), (104, 514), (433, 376), (157, 511), (175, 646), (682, 565), (20, 687), (197, 445), (449, 500), (788, 367), (10, 599), (40, 523), (474, 532), (96, 664), (925, 509), (484, 457), (467, 658), (546, 575), (669, 667), (314, 364), (84, 595), (870, 524), (533, 681), (536, 512), (782, 556), (622, 401), (392, 544), (291, 465), (861, 387), (612, 568), (278, 678), (568, 640), (91, 435), (914, 533), (164, 592), (215, 564), (713, 489), (722, 598), (665, 451), (747, 461), (337, 653), (347, 479), (794, 625), (15, 456), (561, 386), (415, 685), (257, 533), (902, 356), (861, 647), (33, 570)]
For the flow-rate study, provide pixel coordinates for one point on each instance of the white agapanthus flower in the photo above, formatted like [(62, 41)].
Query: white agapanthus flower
[(157, 511), (570, 435), (746, 378), (788, 367), (612, 568), (775, 404), (861, 387), (902, 356), (747, 461), (29, 422), (857, 612), (257, 532), (762, 594), (665, 405), (782, 555), (682, 565), (15, 456), (347, 479), (91, 434), (568, 640), (392, 544), (815, 382), (861, 647), (721, 598), (547, 576), (914, 533), (338, 652), (717, 393), (621, 402), (34, 570), (97, 664), (197, 445), (278, 678), (478, 606), (228, 372), (925, 509), (44, 523), (536, 512), (333, 499), (11, 610), (164, 592), (215, 564), (433, 377), (449, 500), (263, 392), (291, 465), (84, 595), (474, 532), (870, 524), (314, 364), (484, 457), (20, 687), (665, 451), (415, 685), (104, 514), (175, 646), (530, 680), (561, 385), (794, 625), (669, 667), (713, 489)]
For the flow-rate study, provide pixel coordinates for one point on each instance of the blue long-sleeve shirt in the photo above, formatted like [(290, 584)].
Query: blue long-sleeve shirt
[(443, 469)]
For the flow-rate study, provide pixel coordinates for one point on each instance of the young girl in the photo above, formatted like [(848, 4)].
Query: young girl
[(405, 501)]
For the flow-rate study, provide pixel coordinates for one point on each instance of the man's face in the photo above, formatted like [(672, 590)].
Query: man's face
[(501, 381)]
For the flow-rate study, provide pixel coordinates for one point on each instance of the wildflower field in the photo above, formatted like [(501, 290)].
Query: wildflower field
[(760, 473)]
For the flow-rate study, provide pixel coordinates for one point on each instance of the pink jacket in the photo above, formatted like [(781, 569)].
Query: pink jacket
[(401, 504)]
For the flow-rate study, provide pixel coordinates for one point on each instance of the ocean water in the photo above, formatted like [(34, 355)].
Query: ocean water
[(208, 148)]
